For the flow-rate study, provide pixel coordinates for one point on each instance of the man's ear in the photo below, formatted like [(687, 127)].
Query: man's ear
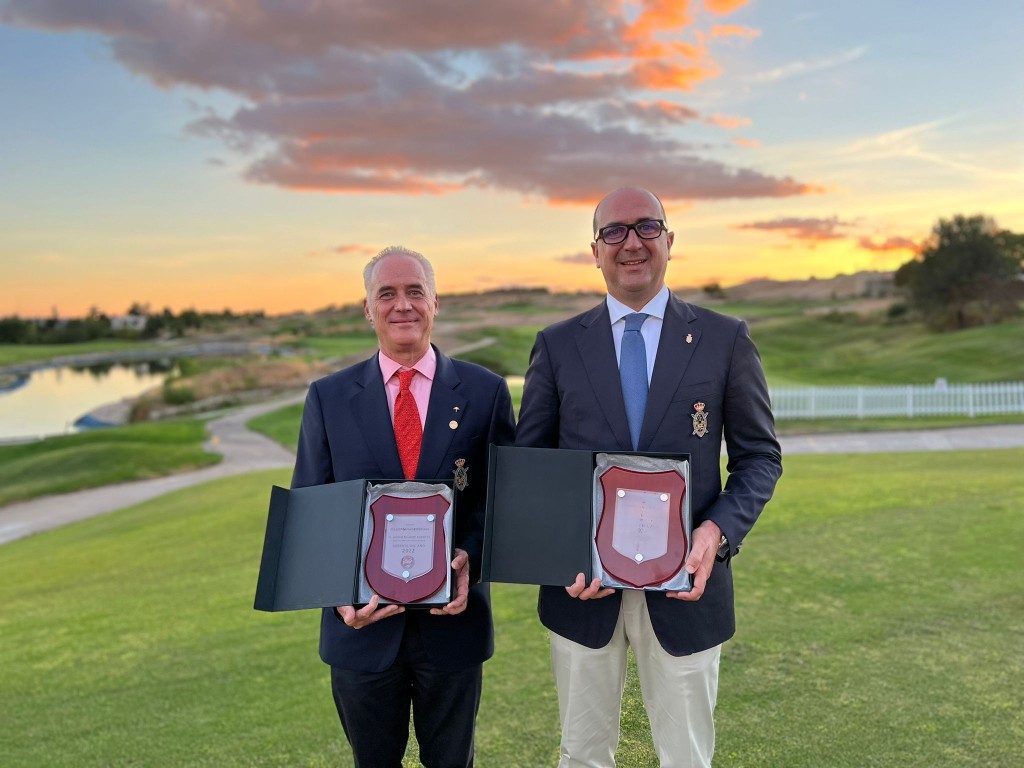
[(366, 311), (593, 250)]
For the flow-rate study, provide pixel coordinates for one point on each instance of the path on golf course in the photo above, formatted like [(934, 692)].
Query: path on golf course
[(247, 451)]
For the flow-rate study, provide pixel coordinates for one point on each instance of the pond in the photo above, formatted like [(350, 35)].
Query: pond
[(49, 401)]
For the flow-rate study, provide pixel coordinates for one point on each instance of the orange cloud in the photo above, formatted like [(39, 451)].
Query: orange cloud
[(734, 30), (582, 257), (664, 75), (723, 7), (361, 250), (806, 229), (661, 15), (889, 244), (727, 121), (740, 141), (363, 97)]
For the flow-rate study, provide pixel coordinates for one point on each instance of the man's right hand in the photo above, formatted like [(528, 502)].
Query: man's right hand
[(581, 591), (368, 614)]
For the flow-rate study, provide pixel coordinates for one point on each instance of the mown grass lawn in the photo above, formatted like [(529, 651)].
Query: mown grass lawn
[(340, 345), (101, 457), (799, 350), (880, 609)]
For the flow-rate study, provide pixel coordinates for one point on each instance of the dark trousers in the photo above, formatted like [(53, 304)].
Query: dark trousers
[(374, 709)]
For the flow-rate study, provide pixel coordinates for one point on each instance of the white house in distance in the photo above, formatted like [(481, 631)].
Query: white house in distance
[(128, 323)]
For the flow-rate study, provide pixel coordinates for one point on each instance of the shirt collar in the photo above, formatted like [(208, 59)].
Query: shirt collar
[(426, 365), (655, 307)]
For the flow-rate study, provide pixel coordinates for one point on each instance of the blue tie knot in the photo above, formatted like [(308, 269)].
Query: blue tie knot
[(635, 320)]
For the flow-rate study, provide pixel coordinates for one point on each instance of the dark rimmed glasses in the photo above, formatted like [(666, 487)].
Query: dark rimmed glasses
[(648, 229)]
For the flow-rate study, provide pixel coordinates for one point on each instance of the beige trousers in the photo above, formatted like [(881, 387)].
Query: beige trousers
[(679, 694)]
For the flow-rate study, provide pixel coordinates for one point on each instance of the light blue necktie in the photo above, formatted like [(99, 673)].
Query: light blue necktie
[(633, 374)]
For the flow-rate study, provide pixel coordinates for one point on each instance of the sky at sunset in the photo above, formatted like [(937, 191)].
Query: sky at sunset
[(253, 155)]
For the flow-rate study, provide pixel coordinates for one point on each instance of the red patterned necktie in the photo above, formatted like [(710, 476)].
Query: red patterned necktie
[(408, 429)]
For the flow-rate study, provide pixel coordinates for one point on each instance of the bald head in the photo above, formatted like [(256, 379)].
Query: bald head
[(624, 193)]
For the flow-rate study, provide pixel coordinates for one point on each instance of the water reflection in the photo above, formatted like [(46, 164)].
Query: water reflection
[(49, 401)]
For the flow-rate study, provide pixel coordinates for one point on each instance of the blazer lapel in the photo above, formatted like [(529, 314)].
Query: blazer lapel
[(370, 409), (674, 354), (447, 406), (597, 350)]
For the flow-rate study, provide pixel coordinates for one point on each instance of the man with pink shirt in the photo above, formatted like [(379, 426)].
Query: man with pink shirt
[(387, 659)]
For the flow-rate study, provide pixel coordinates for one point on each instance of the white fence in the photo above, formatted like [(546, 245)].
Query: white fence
[(908, 400)]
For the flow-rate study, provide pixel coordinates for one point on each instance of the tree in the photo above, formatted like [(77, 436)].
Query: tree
[(965, 275)]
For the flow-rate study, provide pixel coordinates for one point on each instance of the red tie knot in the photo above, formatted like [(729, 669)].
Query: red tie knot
[(405, 379)]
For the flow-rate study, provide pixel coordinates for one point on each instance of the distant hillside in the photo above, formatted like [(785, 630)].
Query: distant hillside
[(858, 285), (855, 286)]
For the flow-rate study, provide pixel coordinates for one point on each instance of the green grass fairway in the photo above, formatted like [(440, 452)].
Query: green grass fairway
[(798, 351), (880, 610), (341, 345), (281, 425), (101, 457)]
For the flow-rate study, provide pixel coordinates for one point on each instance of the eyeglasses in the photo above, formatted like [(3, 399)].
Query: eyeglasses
[(648, 229)]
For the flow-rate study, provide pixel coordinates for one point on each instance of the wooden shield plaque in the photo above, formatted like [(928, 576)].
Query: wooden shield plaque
[(641, 538), (407, 560)]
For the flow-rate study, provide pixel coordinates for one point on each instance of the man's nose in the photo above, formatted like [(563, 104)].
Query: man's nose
[(632, 242), (402, 301)]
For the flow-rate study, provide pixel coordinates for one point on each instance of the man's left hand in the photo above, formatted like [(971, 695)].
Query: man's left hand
[(461, 567), (701, 560)]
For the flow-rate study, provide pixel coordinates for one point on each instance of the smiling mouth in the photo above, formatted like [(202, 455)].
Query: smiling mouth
[(632, 262)]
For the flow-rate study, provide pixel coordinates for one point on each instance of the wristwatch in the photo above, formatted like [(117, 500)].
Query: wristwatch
[(723, 548)]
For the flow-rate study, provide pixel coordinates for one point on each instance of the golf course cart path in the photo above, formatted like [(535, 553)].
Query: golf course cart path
[(243, 451), (247, 451)]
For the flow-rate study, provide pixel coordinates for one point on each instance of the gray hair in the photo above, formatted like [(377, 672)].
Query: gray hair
[(399, 250)]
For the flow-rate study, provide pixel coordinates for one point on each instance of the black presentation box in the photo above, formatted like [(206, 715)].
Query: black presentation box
[(312, 550), (539, 519)]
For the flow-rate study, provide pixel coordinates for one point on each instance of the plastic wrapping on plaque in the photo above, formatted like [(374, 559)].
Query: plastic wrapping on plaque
[(406, 553), (317, 539), (641, 522)]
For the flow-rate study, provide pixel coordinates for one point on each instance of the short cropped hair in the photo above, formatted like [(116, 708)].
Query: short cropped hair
[(393, 250)]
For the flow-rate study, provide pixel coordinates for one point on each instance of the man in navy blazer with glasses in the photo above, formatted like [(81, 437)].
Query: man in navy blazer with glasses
[(645, 371), (386, 659)]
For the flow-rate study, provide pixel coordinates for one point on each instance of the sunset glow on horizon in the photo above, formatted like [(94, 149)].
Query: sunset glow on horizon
[(213, 154)]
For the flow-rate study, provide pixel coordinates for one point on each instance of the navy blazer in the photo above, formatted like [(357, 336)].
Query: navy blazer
[(573, 399), (347, 434)]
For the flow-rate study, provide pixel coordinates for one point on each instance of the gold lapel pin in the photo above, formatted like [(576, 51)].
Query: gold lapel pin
[(461, 474), (455, 408), (453, 424), (689, 338)]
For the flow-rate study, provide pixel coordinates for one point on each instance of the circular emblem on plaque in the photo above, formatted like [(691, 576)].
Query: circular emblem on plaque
[(408, 561)]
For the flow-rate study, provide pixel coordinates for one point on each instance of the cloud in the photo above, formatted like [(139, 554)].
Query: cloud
[(742, 142), (727, 121), (811, 230), (359, 250), (723, 7), (734, 30), (796, 68), (889, 244), (364, 96), (582, 257)]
